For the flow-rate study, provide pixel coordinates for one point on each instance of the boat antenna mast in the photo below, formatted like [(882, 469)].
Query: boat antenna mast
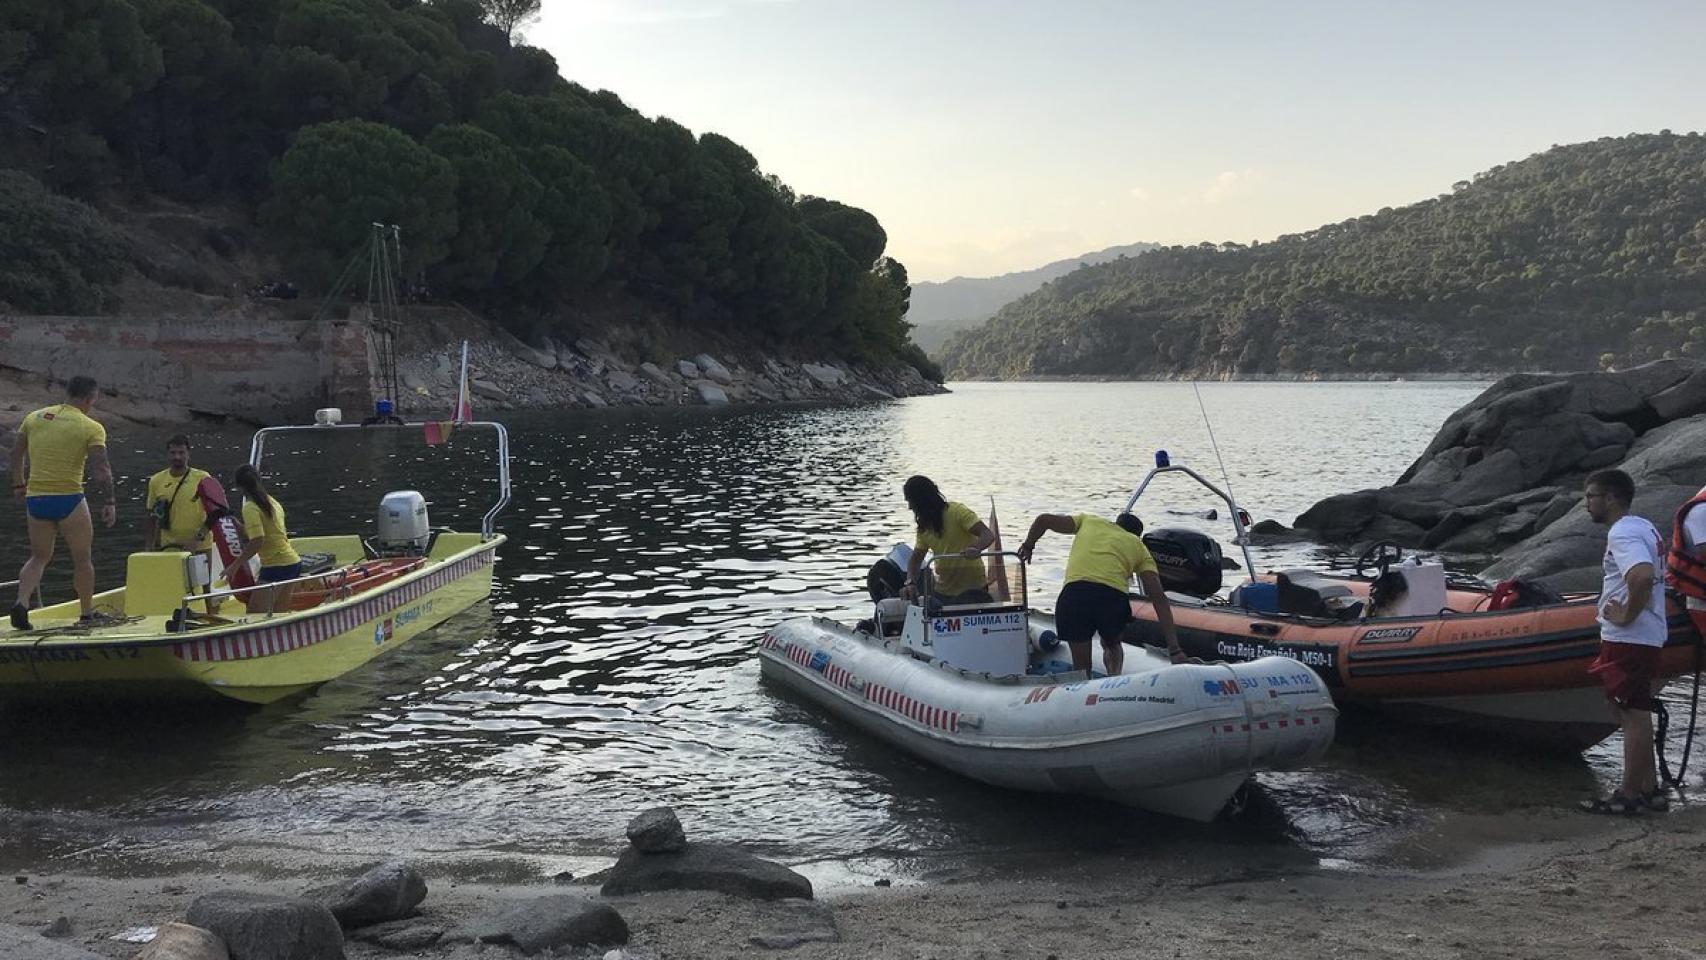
[(1237, 511)]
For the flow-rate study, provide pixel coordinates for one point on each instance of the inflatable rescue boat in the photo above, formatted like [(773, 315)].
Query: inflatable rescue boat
[(984, 690), (1400, 635)]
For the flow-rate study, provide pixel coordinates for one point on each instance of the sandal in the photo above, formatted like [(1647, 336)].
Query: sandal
[(1616, 804), (1658, 800)]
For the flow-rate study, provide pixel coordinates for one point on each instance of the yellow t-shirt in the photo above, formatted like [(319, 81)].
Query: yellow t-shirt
[(59, 438), (953, 574), (1103, 553), (276, 550), (184, 516)]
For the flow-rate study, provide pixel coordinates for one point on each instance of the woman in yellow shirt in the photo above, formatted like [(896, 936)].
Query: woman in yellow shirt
[(265, 534), (955, 537)]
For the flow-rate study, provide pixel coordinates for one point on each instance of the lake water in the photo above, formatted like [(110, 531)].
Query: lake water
[(613, 668)]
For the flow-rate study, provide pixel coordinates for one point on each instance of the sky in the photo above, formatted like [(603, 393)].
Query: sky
[(1000, 135)]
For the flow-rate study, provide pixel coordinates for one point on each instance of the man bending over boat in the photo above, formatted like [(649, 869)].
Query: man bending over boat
[(1103, 560), (952, 534), (1632, 632), (59, 441)]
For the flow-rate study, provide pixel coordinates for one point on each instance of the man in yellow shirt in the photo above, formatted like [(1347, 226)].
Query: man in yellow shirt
[(1094, 601), (176, 520), (58, 442)]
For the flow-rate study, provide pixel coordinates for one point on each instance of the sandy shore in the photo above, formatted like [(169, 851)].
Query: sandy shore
[(1537, 882)]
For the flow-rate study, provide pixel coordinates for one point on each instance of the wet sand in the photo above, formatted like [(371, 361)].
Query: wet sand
[(1533, 882)]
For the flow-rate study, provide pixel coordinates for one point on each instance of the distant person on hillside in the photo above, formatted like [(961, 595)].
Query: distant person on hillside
[(954, 537), (1632, 633), (174, 519), (58, 442), (265, 535), (1105, 556)]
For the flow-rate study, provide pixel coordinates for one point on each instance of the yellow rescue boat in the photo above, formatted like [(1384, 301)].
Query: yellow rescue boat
[(374, 596)]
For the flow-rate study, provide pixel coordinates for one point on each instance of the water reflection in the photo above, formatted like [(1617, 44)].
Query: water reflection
[(613, 668)]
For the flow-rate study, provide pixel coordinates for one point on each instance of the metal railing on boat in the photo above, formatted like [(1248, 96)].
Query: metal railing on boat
[(256, 450)]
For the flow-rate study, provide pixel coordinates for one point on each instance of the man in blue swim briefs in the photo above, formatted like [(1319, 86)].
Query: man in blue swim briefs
[(58, 441)]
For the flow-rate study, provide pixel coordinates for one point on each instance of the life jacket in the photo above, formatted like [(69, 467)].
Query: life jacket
[(1686, 574)]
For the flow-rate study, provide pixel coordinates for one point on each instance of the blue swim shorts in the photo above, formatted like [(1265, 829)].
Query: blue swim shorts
[(52, 507), (278, 574)]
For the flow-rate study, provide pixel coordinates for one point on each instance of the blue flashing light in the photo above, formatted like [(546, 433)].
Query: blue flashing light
[(382, 407), (1161, 459)]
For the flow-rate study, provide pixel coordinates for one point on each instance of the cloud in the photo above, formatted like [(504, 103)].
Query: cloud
[(1140, 195), (1232, 184)]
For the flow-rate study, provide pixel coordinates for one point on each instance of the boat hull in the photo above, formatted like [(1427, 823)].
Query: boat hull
[(1521, 672), (256, 660), (1178, 740)]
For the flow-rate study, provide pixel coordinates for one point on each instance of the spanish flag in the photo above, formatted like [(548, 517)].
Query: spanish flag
[(438, 431)]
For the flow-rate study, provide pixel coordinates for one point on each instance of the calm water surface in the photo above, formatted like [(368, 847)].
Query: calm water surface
[(613, 668)]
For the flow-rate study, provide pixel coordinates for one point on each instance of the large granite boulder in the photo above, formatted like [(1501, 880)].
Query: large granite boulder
[(390, 891), (714, 370), (1504, 474), (180, 941), (705, 866), (657, 830), (1668, 466), (259, 926), (546, 923)]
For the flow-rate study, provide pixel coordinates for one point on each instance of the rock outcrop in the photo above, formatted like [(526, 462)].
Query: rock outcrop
[(507, 374), (1504, 474), (259, 926)]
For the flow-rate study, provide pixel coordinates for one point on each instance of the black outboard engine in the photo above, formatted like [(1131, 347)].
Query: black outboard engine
[(1189, 561)]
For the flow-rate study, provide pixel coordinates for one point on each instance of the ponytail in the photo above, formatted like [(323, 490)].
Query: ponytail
[(248, 479)]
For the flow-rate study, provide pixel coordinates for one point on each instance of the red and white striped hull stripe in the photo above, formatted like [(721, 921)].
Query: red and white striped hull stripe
[(914, 710), (271, 641), (1264, 725)]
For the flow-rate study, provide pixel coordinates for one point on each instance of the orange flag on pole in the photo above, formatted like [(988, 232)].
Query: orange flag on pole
[(438, 431), (997, 563)]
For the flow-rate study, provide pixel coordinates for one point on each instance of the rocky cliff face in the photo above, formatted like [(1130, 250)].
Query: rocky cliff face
[(1504, 474)]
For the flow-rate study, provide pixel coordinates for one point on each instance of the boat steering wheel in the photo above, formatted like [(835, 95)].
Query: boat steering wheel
[(1379, 556)]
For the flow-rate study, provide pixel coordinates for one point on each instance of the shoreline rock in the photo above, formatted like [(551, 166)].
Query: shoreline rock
[(1503, 475), (506, 375)]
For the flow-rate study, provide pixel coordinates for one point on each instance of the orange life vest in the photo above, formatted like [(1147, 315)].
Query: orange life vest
[(1686, 574)]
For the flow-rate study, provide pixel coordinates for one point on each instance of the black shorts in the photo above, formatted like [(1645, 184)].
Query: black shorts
[(1086, 608)]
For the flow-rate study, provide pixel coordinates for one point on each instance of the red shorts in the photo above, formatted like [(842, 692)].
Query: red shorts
[(1626, 671)]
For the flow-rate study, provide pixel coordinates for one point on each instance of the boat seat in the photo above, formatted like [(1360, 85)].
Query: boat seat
[(1308, 594)]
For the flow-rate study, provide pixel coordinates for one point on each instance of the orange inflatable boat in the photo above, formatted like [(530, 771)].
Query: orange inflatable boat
[(1440, 650)]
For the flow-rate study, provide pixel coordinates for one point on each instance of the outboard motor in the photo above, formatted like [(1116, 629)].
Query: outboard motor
[(403, 527), (1189, 561)]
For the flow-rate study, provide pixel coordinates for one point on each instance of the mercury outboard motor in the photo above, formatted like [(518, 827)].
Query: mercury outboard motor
[(1189, 561)]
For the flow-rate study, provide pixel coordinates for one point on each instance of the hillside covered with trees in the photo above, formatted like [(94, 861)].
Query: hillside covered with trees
[(303, 121), (1584, 256), (940, 310)]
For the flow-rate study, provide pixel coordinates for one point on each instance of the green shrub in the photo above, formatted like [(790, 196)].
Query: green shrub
[(56, 255)]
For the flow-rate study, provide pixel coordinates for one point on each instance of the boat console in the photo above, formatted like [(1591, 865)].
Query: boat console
[(985, 633)]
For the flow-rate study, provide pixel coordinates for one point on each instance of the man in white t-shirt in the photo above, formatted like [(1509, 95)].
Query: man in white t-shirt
[(1632, 634)]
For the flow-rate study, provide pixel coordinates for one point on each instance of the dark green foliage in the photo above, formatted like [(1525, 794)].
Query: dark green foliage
[(55, 254), (1546, 263), (498, 239), (338, 178), (515, 189)]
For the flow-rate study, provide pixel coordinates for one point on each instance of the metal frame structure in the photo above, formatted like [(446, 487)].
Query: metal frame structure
[(1163, 466), (257, 448)]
